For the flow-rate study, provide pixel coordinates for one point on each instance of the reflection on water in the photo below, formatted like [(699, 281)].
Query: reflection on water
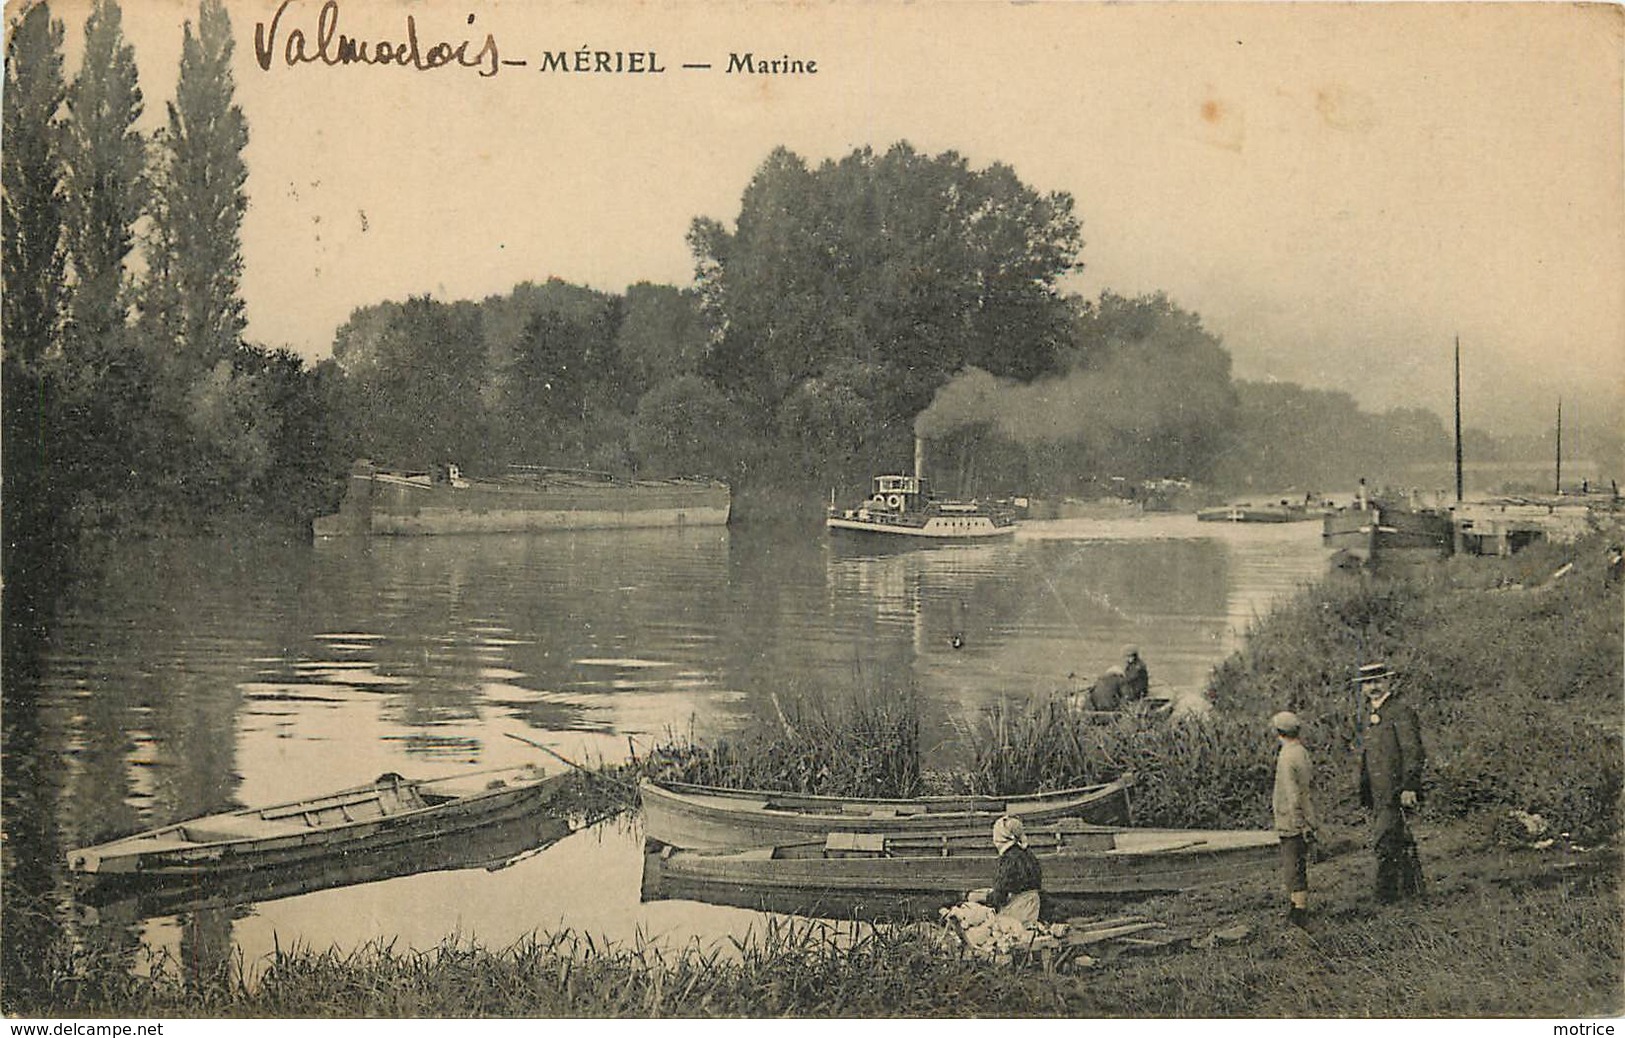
[(193, 677), (492, 847)]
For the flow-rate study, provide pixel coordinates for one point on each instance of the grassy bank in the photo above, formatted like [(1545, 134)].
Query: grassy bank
[(1515, 674), (1501, 936), (1514, 669)]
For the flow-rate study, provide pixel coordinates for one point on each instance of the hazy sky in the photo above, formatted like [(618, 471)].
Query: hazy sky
[(1338, 190)]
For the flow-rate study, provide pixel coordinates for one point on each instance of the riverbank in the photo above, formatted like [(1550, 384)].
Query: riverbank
[(1514, 669), (1502, 934)]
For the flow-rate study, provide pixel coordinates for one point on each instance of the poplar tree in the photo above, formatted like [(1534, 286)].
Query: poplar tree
[(31, 226), (31, 173), (196, 256), (105, 180)]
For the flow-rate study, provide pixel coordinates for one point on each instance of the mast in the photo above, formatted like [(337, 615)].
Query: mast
[(1458, 419), (1559, 488)]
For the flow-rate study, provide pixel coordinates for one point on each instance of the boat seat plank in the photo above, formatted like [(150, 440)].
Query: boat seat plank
[(237, 827), (457, 786), (177, 842), (855, 843), (367, 804)]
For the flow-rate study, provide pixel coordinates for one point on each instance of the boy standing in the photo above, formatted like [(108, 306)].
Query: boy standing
[(1295, 819)]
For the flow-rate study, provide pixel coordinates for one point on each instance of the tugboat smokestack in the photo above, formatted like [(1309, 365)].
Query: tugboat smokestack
[(919, 458)]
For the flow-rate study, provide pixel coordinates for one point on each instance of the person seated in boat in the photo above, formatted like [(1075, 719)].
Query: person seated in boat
[(1014, 894), (1106, 694), (1136, 679)]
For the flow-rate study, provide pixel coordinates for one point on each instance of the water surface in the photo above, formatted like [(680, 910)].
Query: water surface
[(187, 677)]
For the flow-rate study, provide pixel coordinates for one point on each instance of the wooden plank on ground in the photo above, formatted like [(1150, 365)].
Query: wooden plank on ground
[(1108, 933)]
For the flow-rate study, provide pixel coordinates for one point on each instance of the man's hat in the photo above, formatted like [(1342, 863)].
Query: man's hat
[(1285, 722), (1372, 672), (1131, 650)]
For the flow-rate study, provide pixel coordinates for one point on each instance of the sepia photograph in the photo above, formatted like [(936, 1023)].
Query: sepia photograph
[(878, 511)]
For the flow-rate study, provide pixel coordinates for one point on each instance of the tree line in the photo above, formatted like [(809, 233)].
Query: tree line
[(132, 401), (848, 305)]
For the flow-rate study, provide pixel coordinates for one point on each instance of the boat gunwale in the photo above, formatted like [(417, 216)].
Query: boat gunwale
[(1197, 841), (889, 875), (129, 846), (1123, 782)]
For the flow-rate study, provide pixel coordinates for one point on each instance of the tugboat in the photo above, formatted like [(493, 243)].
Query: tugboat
[(901, 508)]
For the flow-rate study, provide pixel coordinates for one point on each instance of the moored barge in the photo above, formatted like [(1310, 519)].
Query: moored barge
[(401, 502)]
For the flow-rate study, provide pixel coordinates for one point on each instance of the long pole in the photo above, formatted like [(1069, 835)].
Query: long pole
[(1559, 489), (1458, 419), (590, 773)]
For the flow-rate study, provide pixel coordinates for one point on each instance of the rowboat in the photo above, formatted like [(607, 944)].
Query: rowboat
[(712, 818), (489, 847), (878, 875), (386, 812)]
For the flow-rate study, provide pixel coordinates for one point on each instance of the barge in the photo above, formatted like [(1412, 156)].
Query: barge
[(388, 502)]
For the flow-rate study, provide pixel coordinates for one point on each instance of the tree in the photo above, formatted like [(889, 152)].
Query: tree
[(105, 179), (550, 368), (413, 373), (195, 252), (1290, 436), (918, 265), (660, 338), (684, 427), (826, 430), (1163, 402), (31, 172), (33, 258)]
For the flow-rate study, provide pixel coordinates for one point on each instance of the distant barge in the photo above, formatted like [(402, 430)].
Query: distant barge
[(405, 503), (1383, 529), (1279, 512)]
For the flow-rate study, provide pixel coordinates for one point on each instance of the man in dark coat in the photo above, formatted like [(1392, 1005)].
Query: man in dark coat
[(1391, 762), (1136, 679)]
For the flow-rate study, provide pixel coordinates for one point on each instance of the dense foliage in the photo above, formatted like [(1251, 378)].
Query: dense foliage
[(875, 279), (1289, 436), (136, 405), (847, 306)]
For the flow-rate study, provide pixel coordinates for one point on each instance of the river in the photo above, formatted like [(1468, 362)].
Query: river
[(188, 676)]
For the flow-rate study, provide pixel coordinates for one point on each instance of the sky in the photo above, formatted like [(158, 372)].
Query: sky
[(1339, 190)]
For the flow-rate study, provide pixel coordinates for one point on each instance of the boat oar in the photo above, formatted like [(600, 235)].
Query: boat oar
[(590, 773)]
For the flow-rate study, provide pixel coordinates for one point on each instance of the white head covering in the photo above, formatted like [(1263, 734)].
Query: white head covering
[(1008, 832)]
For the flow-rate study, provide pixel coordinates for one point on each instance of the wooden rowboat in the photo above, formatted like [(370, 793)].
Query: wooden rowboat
[(712, 818), (386, 812), (911, 875), (489, 847)]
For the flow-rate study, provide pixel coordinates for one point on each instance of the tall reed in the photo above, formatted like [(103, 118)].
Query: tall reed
[(1189, 773), (866, 743)]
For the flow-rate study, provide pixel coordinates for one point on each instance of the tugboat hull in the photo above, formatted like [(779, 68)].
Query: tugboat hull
[(979, 528)]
